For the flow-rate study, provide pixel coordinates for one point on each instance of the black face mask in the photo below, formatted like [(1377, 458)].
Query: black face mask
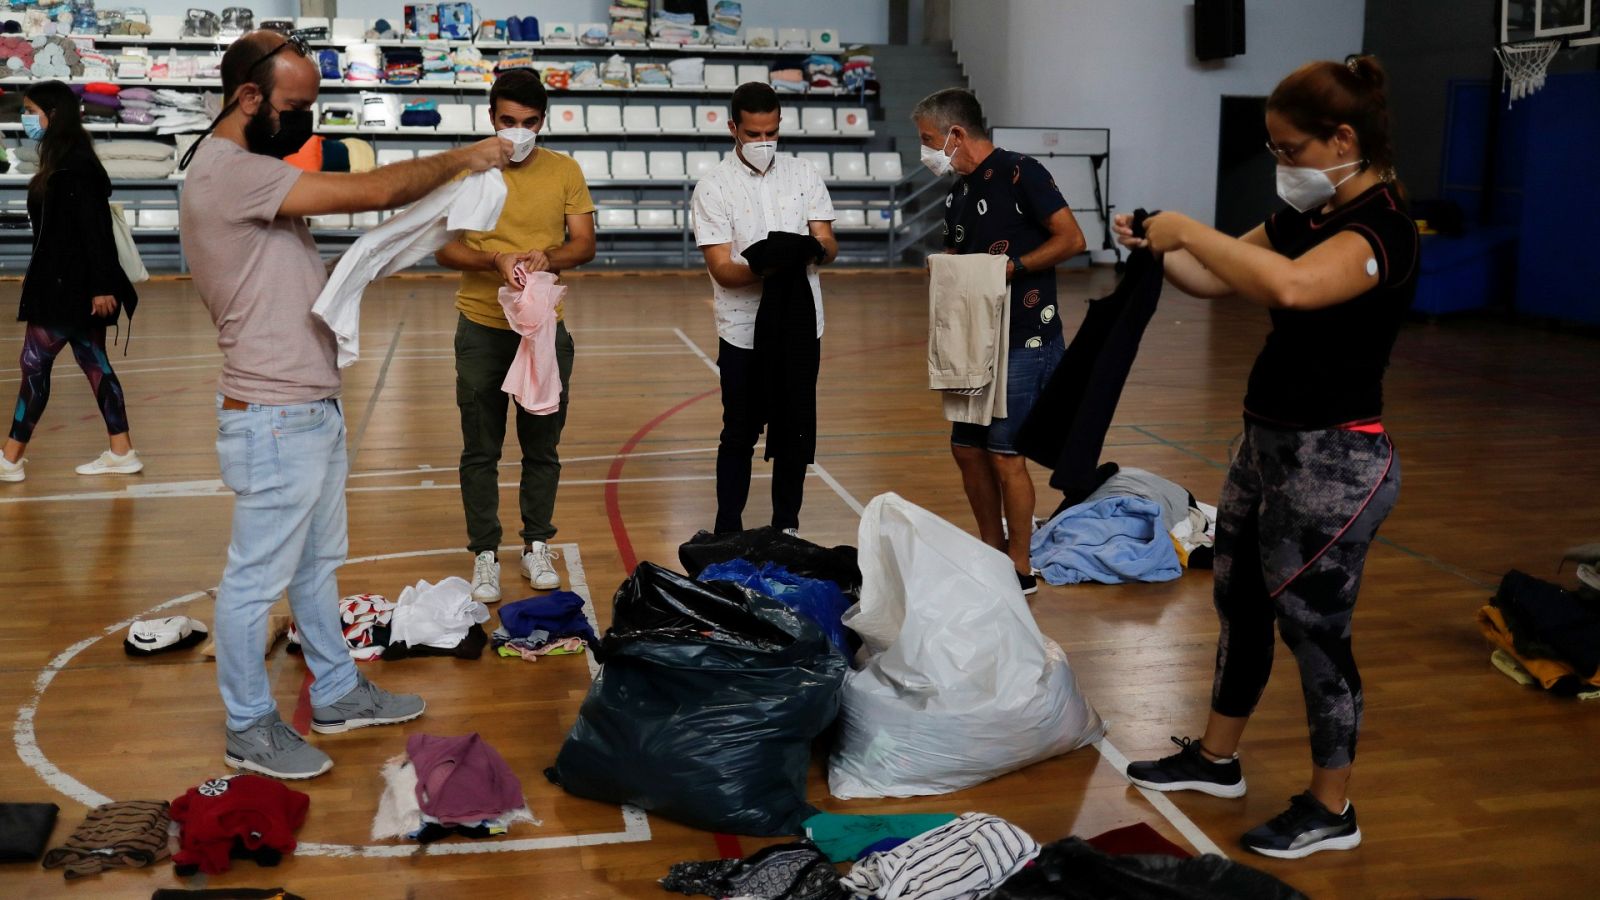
[(294, 129)]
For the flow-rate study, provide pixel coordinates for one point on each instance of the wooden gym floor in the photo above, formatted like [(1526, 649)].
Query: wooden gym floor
[(1467, 784)]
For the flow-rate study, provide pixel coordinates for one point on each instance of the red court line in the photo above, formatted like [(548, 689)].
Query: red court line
[(619, 530)]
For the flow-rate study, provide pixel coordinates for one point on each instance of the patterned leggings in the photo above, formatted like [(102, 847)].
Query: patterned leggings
[(40, 347), (1299, 510)]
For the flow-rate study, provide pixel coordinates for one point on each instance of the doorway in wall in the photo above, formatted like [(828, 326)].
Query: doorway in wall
[(1246, 183)]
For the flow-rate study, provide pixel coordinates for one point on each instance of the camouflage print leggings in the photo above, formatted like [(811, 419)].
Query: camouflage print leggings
[(1299, 510)]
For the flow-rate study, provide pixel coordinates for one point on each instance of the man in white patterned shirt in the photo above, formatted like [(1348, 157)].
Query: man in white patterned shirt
[(737, 204)]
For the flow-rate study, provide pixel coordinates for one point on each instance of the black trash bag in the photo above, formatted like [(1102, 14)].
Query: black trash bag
[(1071, 869), (760, 545), (705, 708)]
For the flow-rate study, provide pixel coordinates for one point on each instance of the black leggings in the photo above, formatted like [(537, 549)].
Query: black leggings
[(40, 346), (1299, 510)]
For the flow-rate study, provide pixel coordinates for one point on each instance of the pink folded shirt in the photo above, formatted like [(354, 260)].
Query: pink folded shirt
[(534, 378)]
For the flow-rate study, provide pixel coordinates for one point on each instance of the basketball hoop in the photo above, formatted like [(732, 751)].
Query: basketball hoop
[(1525, 66)]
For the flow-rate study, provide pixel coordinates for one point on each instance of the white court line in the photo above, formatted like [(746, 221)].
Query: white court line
[(636, 826), (1108, 750), (387, 473)]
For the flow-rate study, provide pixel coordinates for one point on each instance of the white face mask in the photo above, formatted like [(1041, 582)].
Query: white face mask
[(524, 140), (759, 154), (1306, 189), (938, 161)]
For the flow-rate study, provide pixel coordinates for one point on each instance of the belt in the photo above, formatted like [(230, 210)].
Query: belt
[(230, 403)]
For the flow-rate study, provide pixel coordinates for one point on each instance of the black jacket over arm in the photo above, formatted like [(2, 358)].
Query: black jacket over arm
[(74, 252), (786, 342)]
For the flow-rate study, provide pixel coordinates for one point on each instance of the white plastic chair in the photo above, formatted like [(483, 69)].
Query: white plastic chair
[(604, 118), (480, 118), (349, 31), (386, 157), (617, 219), (666, 217), (677, 119), (595, 164), (850, 166), (455, 117), (850, 218), (749, 73), (878, 216), (793, 39), (720, 77), (711, 119), (335, 222), (667, 165), (565, 118), (698, 162), (825, 40), (818, 120), (760, 37), (640, 118), (630, 165), (884, 166), (789, 121), (821, 160), (559, 33), (853, 120)]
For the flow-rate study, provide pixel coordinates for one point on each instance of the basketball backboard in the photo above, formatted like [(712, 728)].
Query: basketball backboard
[(1575, 23)]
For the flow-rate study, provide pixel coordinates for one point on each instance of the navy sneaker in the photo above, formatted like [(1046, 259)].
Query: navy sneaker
[(1189, 770), (1028, 582), (1303, 829)]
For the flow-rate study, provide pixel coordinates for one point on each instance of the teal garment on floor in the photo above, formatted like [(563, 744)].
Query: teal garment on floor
[(843, 837)]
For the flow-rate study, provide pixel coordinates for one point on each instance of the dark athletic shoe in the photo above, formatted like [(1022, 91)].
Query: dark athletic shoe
[(1303, 829), (1189, 770), (1028, 583)]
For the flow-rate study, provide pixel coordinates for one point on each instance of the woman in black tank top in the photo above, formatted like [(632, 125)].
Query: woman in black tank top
[(1316, 474)]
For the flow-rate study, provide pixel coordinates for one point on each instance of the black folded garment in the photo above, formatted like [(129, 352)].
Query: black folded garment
[(25, 830)]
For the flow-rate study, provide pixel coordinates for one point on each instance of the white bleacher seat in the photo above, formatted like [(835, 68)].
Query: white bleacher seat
[(386, 157), (824, 40), (677, 119), (760, 37), (335, 222), (711, 119), (158, 218), (595, 164), (665, 217), (629, 165), (455, 117), (818, 120), (666, 165), (617, 218), (303, 23), (878, 215), (604, 118), (850, 166), (850, 218), (559, 33), (719, 77), (794, 39), (480, 118), (168, 27), (640, 118), (749, 73), (698, 162), (365, 220), (565, 118), (821, 160), (853, 120), (789, 120), (884, 166)]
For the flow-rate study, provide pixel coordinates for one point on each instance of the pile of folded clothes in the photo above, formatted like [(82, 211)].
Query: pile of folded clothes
[(595, 36), (403, 65), (437, 64), (423, 113), (471, 66), (551, 625), (558, 76), (689, 71), (446, 786), (616, 73), (179, 112), (628, 21), (859, 73), (726, 20), (363, 63), (514, 59), (364, 618), (328, 62), (652, 75), (100, 66), (585, 74), (673, 28), (824, 71), (100, 102), (788, 79)]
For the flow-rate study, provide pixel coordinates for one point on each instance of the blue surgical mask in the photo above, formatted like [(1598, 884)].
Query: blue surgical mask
[(32, 127)]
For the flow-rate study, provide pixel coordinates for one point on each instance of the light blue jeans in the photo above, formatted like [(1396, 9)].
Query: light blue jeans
[(286, 466)]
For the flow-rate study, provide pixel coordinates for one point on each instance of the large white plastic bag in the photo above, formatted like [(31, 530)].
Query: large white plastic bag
[(956, 683)]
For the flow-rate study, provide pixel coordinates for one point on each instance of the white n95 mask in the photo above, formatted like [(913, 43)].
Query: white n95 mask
[(760, 154), (522, 138), (938, 161), (1306, 189)]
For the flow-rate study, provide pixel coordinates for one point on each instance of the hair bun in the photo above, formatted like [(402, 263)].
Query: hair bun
[(1368, 69)]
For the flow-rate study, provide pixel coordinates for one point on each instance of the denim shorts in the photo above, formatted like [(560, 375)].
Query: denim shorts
[(1028, 370)]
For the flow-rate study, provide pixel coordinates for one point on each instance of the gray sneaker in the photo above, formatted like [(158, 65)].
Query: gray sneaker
[(272, 748), (366, 704)]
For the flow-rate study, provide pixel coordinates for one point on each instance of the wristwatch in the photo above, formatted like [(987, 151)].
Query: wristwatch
[(1019, 268)]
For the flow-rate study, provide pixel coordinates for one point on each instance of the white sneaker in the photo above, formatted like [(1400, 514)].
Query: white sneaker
[(486, 578), (109, 463), (536, 565), (12, 471)]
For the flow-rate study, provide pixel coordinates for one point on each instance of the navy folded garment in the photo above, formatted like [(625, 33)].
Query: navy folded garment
[(428, 118), (560, 613)]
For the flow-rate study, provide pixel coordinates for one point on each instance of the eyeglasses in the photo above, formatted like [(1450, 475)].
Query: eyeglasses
[(1287, 152)]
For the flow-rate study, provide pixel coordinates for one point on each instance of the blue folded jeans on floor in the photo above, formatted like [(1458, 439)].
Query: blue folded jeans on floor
[(1113, 540)]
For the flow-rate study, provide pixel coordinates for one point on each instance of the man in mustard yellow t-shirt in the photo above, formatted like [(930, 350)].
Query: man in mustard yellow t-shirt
[(547, 225)]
